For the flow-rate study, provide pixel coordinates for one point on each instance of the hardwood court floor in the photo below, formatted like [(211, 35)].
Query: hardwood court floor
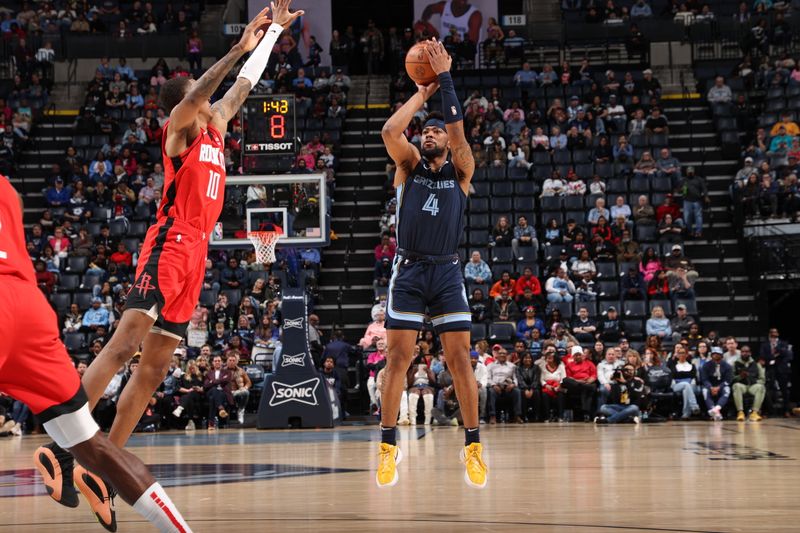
[(681, 477)]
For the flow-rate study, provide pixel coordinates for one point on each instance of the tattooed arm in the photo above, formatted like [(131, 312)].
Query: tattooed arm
[(225, 109)]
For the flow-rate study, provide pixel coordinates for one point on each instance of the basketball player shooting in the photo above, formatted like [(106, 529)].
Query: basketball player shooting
[(41, 376), (432, 185), (171, 266)]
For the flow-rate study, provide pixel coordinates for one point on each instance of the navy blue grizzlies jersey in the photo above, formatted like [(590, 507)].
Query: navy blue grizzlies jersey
[(430, 211), (427, 275)]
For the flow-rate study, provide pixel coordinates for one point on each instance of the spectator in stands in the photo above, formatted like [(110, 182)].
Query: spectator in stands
[(732, 351), (340, 350), (656, 123), (669, 231), (480, 307), (583, 266), (73, 320), (553, 373), (385, 249), (620, 208), (658, 324), (217, 386), (382, 275), (554, 185), (646, 167), (525, 77), (777, 355), (122, 256), (668, 207), (482, 378), (581, 380), (504, 283), (749, 377), (559, 287), (502, 384), (528, 323), (609, 328), (233, 275), (628, 250), (719, 93), (633, 285), (583, 326), (477, 271), (95, 317), (58, 195), (376, 331), (599, 210), (529, 383), (528, 281), (524, 235), (504, 308), (716, 376), (558, 140), (669, 166), (641, 9), (502, 233)]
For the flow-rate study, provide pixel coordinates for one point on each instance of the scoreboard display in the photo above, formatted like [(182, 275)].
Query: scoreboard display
[(269, 125)]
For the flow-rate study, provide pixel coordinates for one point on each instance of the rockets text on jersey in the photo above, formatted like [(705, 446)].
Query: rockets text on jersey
[(194, 181)]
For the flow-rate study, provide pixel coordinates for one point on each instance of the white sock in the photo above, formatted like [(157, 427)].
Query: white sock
[(159, 510)]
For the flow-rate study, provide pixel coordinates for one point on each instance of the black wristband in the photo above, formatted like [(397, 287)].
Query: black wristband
[(451, 108)]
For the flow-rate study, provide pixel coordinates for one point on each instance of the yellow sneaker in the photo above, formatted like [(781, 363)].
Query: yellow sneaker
[(475, 475), (388, 458), (740, 416), (755, 417)]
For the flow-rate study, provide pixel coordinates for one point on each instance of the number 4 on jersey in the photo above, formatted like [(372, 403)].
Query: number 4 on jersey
[(431, 205)]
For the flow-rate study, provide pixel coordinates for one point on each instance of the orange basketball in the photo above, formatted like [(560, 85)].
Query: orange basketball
[(417, 65)]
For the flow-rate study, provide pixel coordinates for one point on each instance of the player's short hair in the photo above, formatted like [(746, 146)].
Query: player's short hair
[(172, 92)]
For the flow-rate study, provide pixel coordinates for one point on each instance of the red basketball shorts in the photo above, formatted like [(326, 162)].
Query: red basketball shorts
[(34, 366), (169, 275)]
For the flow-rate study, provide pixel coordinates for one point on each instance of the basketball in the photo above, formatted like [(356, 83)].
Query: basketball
[(417, 65)]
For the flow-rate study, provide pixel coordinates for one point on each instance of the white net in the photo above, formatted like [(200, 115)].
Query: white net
[(264, 243)]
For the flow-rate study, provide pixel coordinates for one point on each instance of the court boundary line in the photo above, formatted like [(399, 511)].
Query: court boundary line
[(392, 520)]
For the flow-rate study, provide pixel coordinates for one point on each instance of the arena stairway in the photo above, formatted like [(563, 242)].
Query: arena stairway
[(725, 297), (348, 264), (51, 135)]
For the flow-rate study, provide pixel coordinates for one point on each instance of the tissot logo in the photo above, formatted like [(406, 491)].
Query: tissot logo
[(269, 146), (303, 392), (294, 360), (293, 323)]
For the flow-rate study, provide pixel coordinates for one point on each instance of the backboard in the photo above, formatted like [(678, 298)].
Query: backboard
[(297, 203)]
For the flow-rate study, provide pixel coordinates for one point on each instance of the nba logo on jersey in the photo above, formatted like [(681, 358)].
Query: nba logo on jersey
[(453, 110), (217, 231)]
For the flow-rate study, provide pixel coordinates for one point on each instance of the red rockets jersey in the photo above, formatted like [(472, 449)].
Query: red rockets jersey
[(194, 181), (14, 258)]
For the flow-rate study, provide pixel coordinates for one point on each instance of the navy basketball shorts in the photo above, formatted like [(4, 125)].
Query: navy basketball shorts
[(417, 286)]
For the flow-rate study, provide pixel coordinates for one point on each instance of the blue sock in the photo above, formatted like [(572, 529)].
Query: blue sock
[(389, 435), (472, 435)]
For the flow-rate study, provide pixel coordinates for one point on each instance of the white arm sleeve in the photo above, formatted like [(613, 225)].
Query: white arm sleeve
[(254, 66)]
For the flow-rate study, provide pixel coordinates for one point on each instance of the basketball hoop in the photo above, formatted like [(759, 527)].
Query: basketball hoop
[(264, 243)]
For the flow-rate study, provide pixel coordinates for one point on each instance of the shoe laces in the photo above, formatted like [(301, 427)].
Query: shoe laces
[(473, 459), (386, 455)]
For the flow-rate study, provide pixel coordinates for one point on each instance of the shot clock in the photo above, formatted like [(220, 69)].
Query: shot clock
[(269, 125)]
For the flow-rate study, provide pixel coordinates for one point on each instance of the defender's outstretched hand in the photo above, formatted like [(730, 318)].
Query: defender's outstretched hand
[(281, 15), (254, 31), (437, 55)]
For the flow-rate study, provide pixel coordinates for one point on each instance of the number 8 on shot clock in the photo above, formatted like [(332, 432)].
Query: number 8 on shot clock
[(269, 125)]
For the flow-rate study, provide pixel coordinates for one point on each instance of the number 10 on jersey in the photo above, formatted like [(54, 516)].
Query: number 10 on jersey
[(213, 184), (431, 205)]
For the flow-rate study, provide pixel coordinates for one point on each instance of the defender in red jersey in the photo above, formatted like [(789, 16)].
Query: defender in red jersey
[(41, 376), (171, 267)]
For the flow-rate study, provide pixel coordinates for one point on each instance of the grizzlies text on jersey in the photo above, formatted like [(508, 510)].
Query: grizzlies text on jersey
[(427, 271)]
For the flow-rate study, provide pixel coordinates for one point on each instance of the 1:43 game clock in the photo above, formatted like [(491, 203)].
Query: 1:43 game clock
[(269, 125)]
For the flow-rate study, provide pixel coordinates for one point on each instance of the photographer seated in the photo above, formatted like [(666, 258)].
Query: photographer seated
[(627, 391)]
